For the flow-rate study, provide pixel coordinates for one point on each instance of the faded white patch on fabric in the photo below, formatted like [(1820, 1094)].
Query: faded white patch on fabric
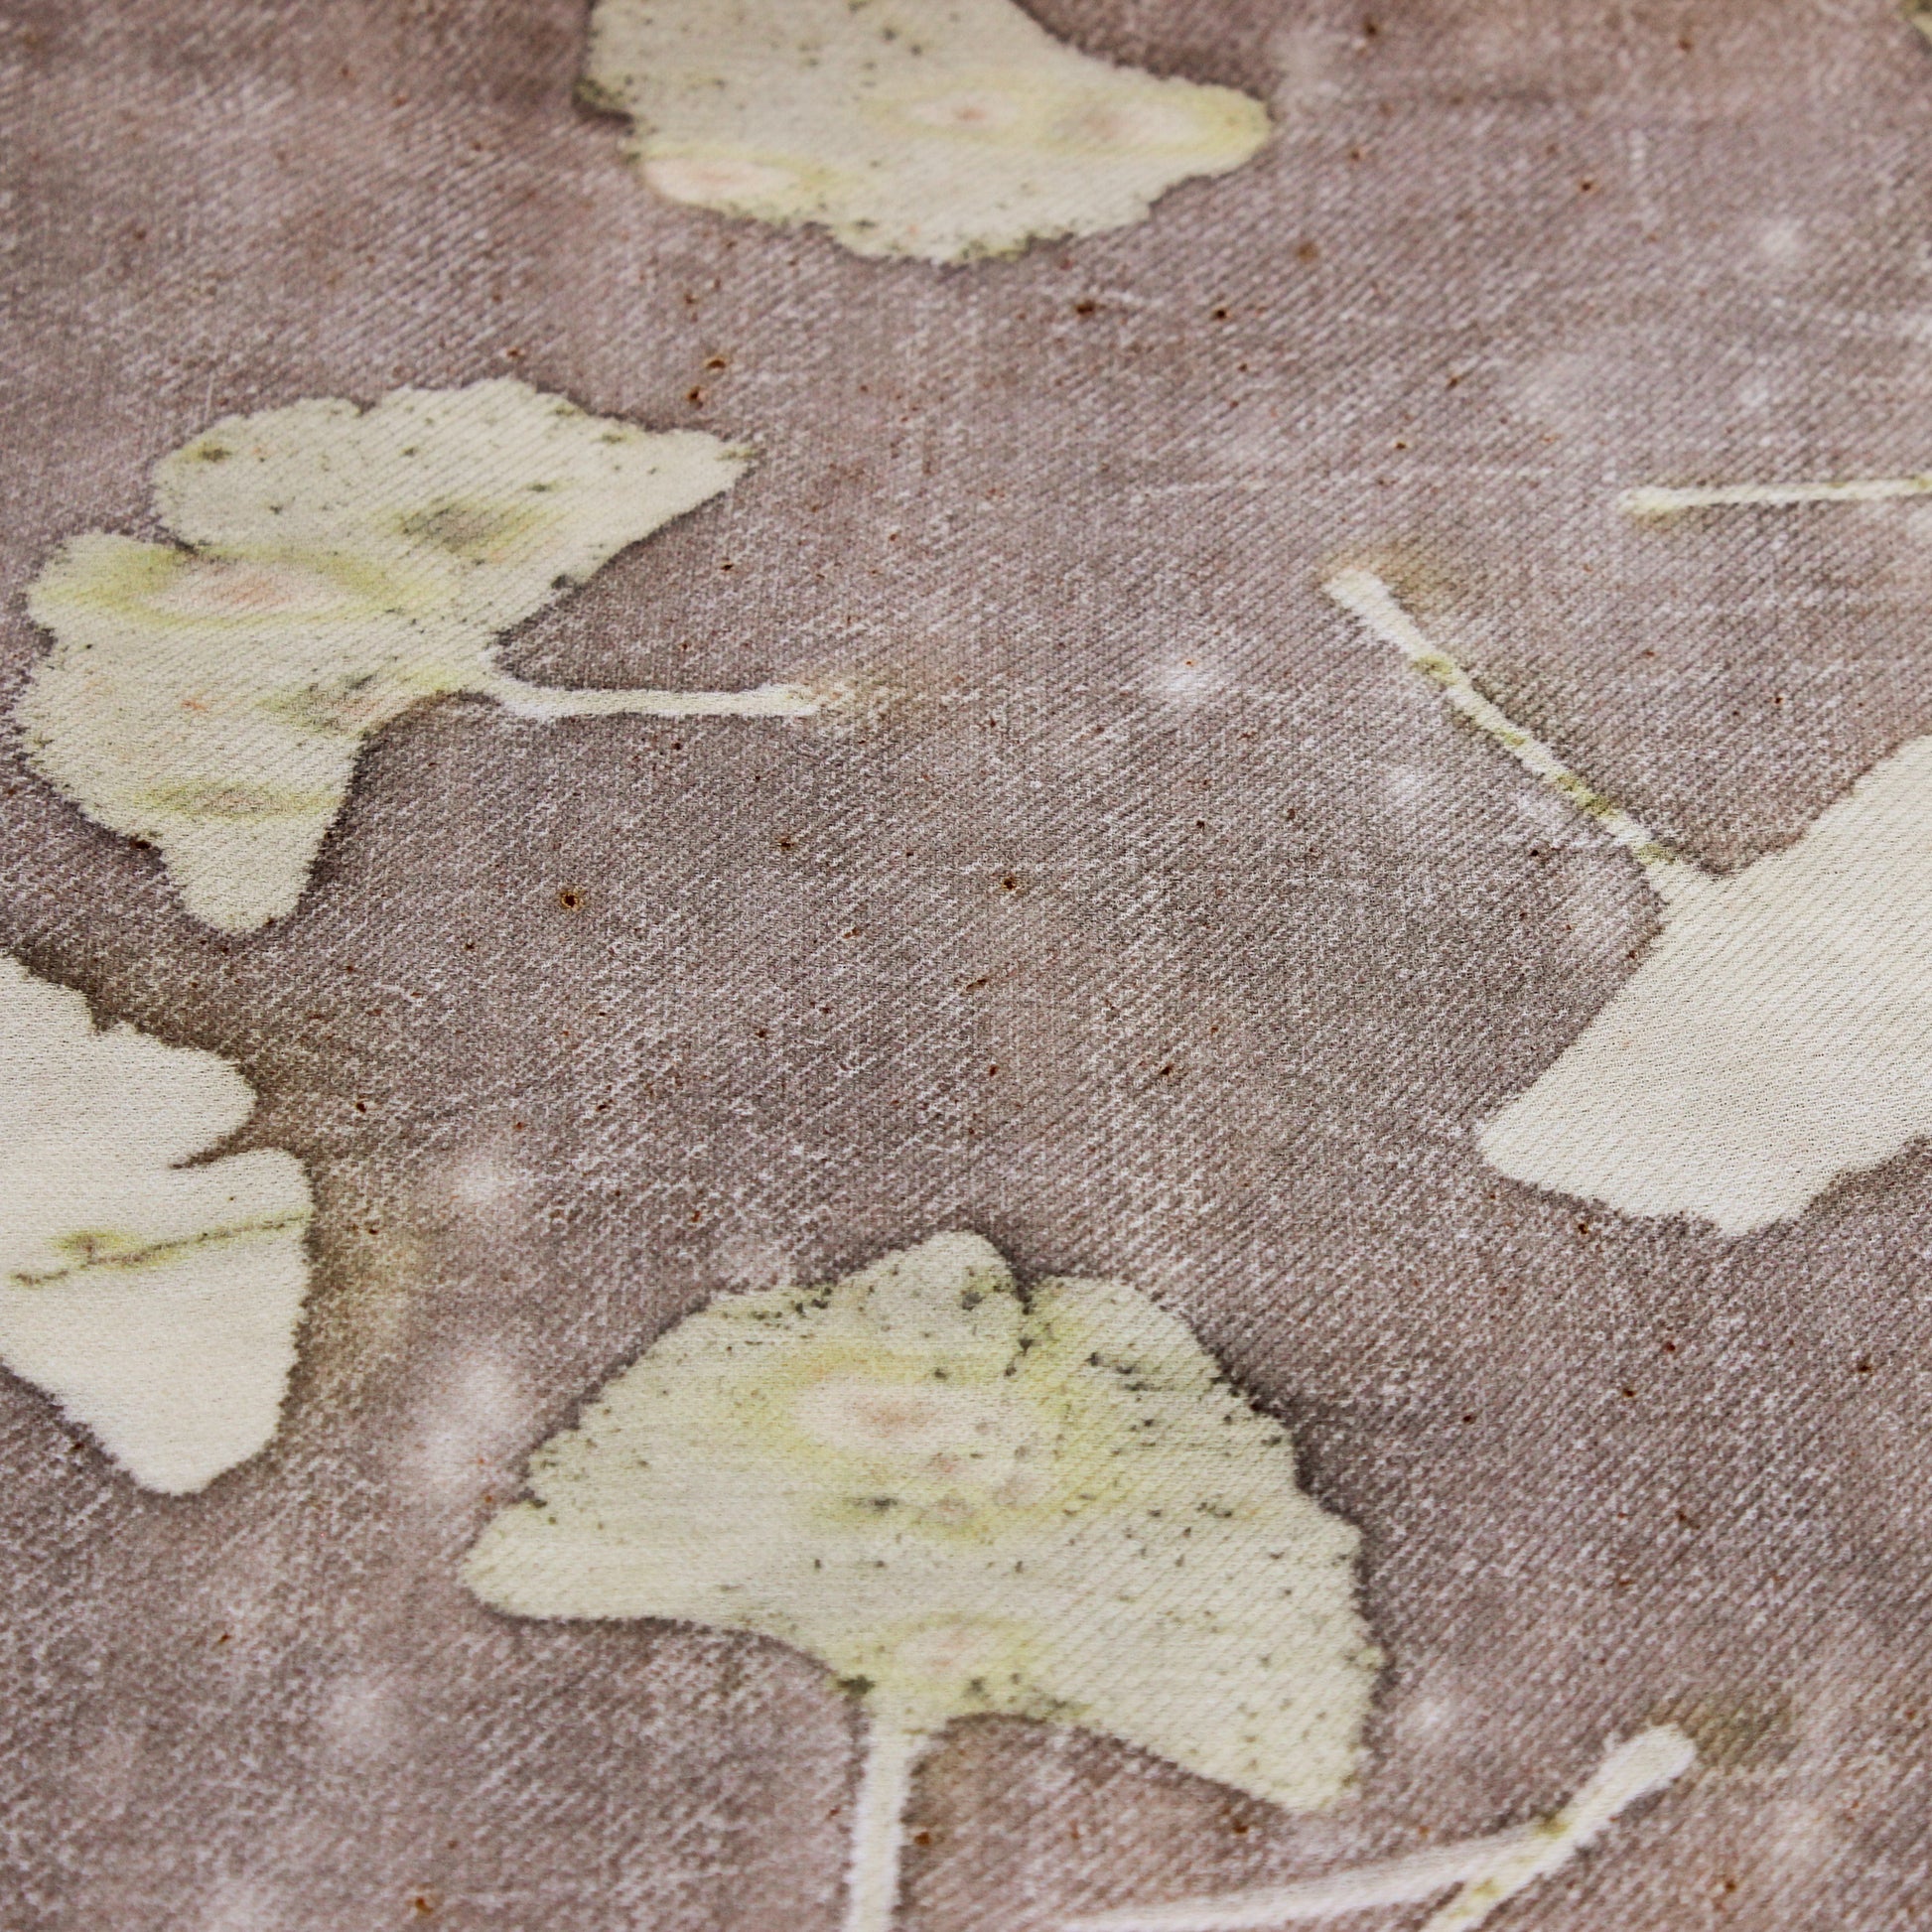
[(361, 1720), (473, 1425), (1486, 1871), (1187, 681), (1777, 1035), (488, 1187), (1781, 240), (156, 1303), (241, 1904), (939, 129), (1563, 391), (964, 1498), (334, 567), (485, 1183)]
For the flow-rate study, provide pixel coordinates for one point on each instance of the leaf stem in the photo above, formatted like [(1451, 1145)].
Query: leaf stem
[(1489, 1870), (893, 1750), (1365, 596), (548, 701), (1394, 1881), (157, 1253), (1651, 500)]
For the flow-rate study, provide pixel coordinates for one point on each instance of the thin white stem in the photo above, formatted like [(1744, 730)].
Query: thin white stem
[(1655, 500), (872, 1877), (1634, 1769), (1395, 1881), (1366, 597), (1489, 1870), (553, 701)]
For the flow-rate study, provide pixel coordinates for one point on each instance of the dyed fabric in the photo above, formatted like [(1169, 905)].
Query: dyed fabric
[(1115, 896)]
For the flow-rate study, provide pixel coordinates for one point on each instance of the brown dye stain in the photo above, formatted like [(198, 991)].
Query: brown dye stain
[(364, 1279), (1423, 580), (1733, 1733)]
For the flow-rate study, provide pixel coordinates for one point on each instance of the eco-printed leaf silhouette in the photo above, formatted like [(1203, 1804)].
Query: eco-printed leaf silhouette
[(964, 1498), (1778, 1031), (1486, 1871), (156, 1303), (939, 129), (335, 567)]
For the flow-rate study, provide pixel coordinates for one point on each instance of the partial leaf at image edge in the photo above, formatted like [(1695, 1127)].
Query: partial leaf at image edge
[(156, 1302)]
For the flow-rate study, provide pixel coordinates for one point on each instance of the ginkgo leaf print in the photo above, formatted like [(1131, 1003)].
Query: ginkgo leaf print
[(157, 1302), (939, 129), (334, 567), (1776, 1035), (964, 1498)]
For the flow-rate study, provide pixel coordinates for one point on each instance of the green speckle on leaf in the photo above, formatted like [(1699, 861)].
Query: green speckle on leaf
[(955, 1497)]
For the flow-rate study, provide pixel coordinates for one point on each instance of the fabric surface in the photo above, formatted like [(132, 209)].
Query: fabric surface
[(1153, 921)]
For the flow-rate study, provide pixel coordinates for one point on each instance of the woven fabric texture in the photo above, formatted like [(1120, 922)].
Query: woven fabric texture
[(1150, 917)]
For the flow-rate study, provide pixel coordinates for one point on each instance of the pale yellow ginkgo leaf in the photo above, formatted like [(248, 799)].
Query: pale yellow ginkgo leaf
[(1777, 1032), (336, 566), (939, 129), (157, 1302), (963, 1498)]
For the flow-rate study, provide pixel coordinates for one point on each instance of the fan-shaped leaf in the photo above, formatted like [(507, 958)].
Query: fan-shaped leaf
[(341, 566), (963, 1497), (942, 129), (1777, 1034), (156, 1303)]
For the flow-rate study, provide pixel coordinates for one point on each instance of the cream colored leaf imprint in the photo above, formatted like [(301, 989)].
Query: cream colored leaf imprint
[(1486, 1872), (1778, 1031), (940, 129), (335, 567), (156, 1303), (965, 1498)]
